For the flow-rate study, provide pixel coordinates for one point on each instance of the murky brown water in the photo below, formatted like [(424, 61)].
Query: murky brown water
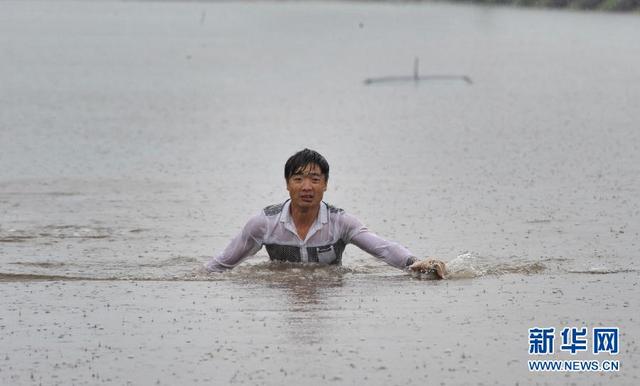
[(137, 137)]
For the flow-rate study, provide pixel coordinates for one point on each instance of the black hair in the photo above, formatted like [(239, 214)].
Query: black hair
[(297, 162)]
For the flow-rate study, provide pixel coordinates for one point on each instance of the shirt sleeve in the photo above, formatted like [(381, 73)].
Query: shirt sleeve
[(390, 252), (245, 244)]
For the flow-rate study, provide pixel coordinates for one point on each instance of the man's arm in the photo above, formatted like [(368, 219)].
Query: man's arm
[(245, 244), (390, 252)]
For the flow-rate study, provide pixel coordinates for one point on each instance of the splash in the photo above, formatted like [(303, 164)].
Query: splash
[(465, 266), (470, 265)]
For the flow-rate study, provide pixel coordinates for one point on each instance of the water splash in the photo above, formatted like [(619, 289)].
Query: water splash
[(470, 265), (465, 266)]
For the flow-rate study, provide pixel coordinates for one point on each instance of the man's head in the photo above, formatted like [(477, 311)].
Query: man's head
[(306, 173), (302, 159)]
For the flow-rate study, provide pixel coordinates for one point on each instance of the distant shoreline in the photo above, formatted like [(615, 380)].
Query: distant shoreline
[(600, 5), (596, 5)]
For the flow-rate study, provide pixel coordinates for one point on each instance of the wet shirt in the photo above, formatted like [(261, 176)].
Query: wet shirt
[(327, 238)]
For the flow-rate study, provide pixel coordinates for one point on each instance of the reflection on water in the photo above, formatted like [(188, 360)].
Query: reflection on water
[(300, 279), (308, 294)]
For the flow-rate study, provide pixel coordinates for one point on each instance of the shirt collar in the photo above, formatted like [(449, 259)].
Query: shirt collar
[(285, 216), (324, 212)]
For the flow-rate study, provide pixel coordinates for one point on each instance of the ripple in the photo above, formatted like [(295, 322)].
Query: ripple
[(55, 232), (40, 264), (15, 238), (603, 271)]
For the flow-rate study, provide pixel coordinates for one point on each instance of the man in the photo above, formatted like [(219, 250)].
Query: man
[(306, 229)]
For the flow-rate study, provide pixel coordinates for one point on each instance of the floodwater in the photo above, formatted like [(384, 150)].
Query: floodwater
[(137, 137)]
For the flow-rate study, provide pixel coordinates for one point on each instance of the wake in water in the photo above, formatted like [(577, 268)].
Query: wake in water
[(470, 265), (183, 268)]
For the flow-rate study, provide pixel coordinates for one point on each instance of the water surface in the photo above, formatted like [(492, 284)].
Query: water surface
[(137, 137)]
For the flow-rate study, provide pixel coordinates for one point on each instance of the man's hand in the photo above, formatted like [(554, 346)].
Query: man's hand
[(434, 266)]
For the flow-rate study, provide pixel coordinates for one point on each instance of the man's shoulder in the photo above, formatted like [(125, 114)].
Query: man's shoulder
[(276, 209), (333, 209), (273, 210), (342, 218)]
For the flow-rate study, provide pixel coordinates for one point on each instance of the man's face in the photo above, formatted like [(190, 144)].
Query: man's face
[(306, 187)]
